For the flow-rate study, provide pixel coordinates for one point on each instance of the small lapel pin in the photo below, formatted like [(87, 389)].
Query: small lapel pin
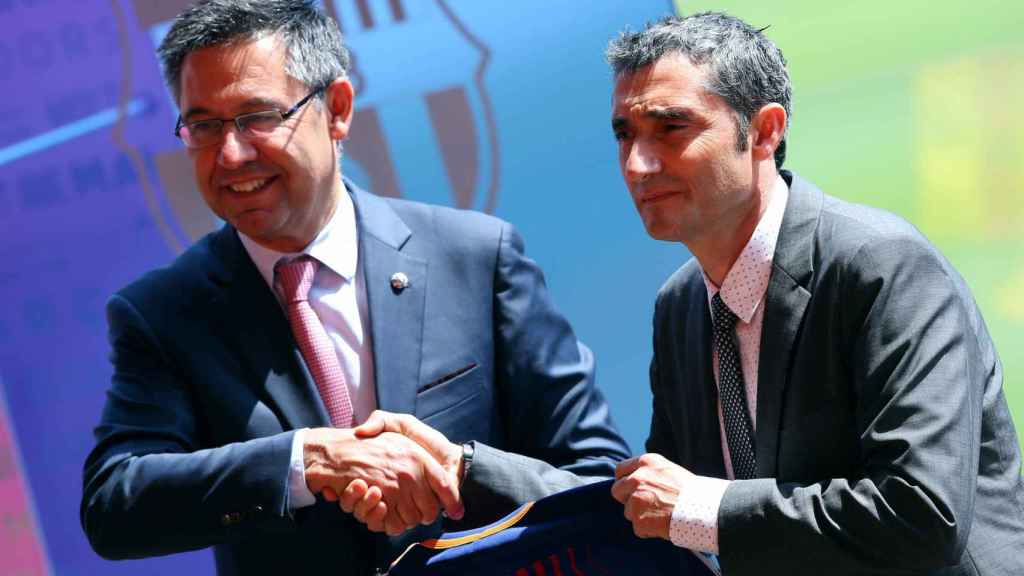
[(399, 282)]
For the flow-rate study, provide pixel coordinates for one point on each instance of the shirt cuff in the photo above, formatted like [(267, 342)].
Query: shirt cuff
[(694, 522), (299, 495)]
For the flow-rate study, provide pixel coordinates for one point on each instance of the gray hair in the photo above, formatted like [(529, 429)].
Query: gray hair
[(745, 68), (316, 52)]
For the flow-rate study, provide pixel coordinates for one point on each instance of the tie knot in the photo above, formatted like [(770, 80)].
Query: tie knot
[(724, 317), (294, 279)]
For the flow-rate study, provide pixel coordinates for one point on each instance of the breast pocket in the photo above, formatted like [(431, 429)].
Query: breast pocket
[(448, 393)]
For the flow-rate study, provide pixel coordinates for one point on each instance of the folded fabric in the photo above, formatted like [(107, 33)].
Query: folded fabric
[(579, 532)]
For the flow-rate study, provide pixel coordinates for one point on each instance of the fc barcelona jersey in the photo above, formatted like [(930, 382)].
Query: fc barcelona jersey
[(579, 532)]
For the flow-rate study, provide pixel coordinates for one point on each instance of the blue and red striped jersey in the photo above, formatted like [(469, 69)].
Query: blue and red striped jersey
[(579, 532)]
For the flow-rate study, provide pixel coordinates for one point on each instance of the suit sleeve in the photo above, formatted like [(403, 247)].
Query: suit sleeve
[(553, 412), (148, 488), (917, 374), (660, 439)]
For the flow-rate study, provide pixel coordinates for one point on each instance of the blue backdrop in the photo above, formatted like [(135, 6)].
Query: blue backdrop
[(497, 106)]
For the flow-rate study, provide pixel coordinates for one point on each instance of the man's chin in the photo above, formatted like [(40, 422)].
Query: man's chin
[(256, 224), (660, 230)]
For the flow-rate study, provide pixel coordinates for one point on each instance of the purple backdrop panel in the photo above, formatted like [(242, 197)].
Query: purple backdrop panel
[(21, 550)]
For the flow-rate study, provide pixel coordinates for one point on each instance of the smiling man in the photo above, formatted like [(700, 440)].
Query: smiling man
[(242, 368), (827, 399)]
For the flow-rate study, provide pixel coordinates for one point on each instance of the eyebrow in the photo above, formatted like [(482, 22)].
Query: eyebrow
[(672, 113), (250, 103)]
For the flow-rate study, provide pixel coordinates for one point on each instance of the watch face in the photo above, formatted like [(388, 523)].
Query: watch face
[(467, 461)]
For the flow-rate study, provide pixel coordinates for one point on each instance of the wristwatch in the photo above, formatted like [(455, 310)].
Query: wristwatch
[(467, 461)]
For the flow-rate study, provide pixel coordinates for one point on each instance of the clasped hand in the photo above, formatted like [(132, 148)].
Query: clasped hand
[(392, 472), (648, 486)]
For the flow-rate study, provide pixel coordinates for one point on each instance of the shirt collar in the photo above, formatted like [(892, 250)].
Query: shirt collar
[(746, 282), (336, 245)]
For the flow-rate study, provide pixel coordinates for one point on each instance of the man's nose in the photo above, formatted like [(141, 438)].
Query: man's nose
[(641, 161), (235, 150)]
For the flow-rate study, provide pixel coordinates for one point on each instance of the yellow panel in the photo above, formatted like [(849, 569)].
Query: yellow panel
[(969, 146)]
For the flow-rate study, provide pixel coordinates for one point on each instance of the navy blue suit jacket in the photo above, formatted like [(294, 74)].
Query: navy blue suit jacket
[(194, 441)]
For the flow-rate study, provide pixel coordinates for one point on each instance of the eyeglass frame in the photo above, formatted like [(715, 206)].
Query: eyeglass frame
[(242, 131)]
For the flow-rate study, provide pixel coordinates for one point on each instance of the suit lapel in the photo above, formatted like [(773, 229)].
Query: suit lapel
[(396, 316), (256, 329), (785, 304)]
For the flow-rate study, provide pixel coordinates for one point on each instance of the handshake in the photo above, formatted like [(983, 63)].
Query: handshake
[(392, 472)]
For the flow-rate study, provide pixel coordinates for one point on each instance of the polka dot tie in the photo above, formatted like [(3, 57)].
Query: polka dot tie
[(738, 430), (292, 280)]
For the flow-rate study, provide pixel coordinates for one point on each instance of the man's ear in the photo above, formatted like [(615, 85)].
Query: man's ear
[(767, 128), (339, 97)]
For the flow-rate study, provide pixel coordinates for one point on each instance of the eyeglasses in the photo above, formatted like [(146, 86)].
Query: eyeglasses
[(252, 126)]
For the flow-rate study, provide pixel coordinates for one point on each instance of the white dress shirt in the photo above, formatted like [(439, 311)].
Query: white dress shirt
[(338, 297)]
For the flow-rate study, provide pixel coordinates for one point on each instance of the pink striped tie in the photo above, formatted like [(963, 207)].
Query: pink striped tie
[(292, 282)]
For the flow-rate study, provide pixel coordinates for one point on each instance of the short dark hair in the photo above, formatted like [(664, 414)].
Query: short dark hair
[(745, 68), (316, 51)]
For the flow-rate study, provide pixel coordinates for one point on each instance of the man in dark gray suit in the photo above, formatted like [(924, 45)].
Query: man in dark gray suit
[(241, 368), (827, 399)]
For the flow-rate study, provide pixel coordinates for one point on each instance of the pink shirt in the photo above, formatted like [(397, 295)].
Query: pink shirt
[(694, 523)]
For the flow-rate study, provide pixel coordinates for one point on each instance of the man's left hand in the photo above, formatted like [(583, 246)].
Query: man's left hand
[(649, 486)]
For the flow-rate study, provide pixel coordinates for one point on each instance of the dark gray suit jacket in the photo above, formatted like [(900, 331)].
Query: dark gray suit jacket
[(884, 443), (194, 442)]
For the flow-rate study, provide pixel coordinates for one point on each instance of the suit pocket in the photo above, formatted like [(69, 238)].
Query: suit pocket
[(448, 391)]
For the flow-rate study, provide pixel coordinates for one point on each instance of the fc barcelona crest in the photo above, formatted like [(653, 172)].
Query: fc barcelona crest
[(423, 117)]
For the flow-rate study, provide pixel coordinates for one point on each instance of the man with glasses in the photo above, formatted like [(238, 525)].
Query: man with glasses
[(241, 370), (254, 125)]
